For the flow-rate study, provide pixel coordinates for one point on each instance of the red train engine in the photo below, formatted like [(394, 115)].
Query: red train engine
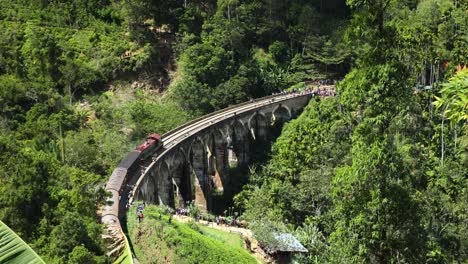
[(152, 143)]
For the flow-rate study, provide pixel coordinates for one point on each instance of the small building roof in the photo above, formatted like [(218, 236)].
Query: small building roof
[(286, 243)]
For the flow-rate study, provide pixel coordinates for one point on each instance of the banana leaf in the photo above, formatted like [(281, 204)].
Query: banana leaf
[(126, 257), (14, 250)]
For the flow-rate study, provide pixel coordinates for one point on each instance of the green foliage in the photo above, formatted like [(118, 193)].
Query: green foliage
[(206, 63), (66, 48), (194, 210), (279, 51), (228, 239), (320, 122), (314, 240), (454, 100), (226, 63), (377, 210), (156, 240), (127, 256), (194, 226), (24, 188), (14, 250), (357, 176), (295, 184), (81, 255), (12, 95), (38, 197), (205, 70), (444, 211), (160, 117)]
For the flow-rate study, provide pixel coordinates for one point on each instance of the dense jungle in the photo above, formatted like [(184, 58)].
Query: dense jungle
[(376, 174)]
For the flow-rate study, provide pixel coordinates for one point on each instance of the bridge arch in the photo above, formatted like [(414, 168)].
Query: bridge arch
[(238, 151), (238, 130), (281, 114), (258, 125)]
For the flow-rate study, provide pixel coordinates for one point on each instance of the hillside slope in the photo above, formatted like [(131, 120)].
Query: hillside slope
[(157, 240)]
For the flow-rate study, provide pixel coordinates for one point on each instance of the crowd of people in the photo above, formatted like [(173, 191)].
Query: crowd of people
[(231, 221), (128, 188), (322, 88), (323, 82), (182, 211), (323, 91), (219, 220)]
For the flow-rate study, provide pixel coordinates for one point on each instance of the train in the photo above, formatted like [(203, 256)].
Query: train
[(127, 172), (141, 153), (153, 143)]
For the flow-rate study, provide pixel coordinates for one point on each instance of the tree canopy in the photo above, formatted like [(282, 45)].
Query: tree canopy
[(376, 174)]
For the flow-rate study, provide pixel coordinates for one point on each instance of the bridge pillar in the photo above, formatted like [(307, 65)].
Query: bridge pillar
[(219, 147), (199, 167), (280, 115), (258, 126), (211, 161), (182, 181)]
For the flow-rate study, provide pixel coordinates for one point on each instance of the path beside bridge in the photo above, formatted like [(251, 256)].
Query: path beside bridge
[(250, 242)]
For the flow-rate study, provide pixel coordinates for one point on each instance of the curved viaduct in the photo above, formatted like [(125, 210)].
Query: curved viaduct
[(196, 156)]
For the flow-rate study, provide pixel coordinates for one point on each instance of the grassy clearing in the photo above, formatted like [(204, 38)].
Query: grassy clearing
[(158, 241), (229, 239)]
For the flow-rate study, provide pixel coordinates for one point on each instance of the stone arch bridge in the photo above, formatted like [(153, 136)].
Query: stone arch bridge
[(194, 159), (196, 156)]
